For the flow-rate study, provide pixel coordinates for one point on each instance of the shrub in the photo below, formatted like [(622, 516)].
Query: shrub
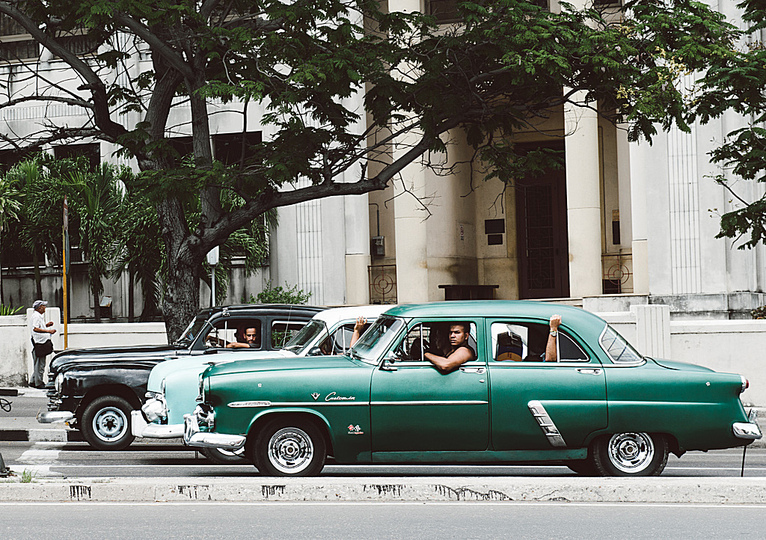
[(280, 295)]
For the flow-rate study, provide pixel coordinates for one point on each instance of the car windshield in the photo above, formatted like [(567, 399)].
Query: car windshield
[(192, 331), (376, 340), (307, 336), (618, 349)]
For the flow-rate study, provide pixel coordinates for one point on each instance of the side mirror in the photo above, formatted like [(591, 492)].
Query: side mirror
[(315, 351)]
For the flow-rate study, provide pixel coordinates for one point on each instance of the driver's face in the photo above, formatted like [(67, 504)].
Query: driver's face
[(251, 334), (457, 335)]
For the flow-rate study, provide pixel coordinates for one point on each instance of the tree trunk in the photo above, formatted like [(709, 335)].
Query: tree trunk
[(131, 296), (96, 304), (180, 301)]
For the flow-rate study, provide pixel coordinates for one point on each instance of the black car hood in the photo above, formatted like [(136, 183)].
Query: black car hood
[(111, 355)]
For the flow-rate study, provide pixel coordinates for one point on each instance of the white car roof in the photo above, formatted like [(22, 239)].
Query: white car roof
[(333, 316)]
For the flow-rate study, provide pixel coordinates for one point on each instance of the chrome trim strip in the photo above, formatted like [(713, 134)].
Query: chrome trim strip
[(546, 424), (245, 404), (454, 402)]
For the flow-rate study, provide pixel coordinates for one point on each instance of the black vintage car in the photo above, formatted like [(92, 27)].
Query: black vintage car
[(94, 390)]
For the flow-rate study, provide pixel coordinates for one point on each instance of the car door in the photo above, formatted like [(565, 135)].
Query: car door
[(538, 405), (414, 407)]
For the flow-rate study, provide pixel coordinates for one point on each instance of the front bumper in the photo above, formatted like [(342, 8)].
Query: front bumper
[(52, 417), (194, 437), (141, 428)]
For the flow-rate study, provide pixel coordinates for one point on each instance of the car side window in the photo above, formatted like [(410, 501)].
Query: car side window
[(227, 331), (429, 337), (526, 342), (284, 331)]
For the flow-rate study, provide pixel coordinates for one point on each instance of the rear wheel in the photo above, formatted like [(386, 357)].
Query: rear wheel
[(220, 456), (289, 447), (105, 423), (630, 454)]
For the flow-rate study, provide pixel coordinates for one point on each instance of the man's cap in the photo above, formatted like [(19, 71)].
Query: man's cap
[(39, 303)]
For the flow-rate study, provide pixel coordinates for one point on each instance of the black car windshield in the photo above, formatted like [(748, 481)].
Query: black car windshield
[(617, 347), (376, 340), (192, 331), (307, 336)]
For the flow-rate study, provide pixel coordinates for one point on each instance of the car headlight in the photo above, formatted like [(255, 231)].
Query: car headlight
[(155, 408), (59, 382)]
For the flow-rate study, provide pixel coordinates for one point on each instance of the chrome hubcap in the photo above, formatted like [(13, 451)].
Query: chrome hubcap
[(290, 450), (631, 452), (110, 424)]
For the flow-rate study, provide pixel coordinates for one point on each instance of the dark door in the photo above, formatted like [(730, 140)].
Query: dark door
[(541, 228)]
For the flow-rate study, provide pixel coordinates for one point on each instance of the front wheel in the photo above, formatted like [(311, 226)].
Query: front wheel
[(105, 423), (219, 456), (630, 454), (289, 448)]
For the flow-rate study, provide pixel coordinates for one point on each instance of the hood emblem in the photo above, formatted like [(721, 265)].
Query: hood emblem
[(315, 395)]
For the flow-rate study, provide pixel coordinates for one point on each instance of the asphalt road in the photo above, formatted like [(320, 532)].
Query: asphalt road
[(148, 460), (340, 521)]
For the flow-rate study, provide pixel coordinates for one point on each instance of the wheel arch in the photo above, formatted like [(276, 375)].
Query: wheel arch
[(116, 390), (312, 416)]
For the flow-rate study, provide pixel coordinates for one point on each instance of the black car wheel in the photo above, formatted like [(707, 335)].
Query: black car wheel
[(220, 456), (630, 454), (289, 448), (105, 424)]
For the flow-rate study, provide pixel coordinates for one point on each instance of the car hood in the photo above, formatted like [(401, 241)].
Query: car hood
[(71, 357), (283, 364), (171, 369), (680, 366)]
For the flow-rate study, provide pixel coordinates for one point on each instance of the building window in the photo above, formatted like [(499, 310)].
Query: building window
[(91, 152), (231, 148), (15, 43)]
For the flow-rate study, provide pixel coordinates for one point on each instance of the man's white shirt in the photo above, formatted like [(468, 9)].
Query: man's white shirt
[(39, 322)]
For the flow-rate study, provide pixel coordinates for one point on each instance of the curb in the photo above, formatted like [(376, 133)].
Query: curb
[(396, 489)]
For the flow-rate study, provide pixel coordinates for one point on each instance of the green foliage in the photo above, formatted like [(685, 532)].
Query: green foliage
[(10, 310), (280, 295), (759, 312)]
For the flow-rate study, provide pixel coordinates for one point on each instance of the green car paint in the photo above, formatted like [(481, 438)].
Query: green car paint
[(385, 404)]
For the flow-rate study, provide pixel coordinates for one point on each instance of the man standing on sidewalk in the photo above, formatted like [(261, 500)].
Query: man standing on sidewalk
[(42, 345)]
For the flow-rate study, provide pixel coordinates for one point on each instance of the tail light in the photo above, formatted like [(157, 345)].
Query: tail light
[(745, 384)]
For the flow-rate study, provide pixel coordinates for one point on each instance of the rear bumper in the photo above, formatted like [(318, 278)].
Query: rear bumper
[(194, 437), (746, 430), (141, 428)]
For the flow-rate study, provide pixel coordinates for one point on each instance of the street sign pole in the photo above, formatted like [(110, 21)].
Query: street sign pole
[(66, 261)]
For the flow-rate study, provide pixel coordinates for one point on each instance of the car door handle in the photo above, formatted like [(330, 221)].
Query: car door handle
[(469, 369), (589, 371)]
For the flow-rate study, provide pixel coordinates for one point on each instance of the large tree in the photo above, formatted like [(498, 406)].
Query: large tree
[(508, 63)]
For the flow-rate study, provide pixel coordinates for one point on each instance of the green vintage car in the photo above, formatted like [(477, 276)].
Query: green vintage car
[(600, 408)]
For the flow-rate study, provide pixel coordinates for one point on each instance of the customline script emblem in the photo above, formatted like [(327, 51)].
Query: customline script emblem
[(333, 396)]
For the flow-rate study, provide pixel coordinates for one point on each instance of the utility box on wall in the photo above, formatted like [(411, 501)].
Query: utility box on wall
[(378, 246)]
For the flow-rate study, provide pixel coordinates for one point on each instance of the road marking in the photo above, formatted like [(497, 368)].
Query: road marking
[(39, 459)]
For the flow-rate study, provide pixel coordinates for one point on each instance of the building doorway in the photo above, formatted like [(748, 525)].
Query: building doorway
[(541, 214)]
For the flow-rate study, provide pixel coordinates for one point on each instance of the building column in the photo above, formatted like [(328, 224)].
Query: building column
[(409, 214), (357, 249), (583, 198), (639, 247)]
